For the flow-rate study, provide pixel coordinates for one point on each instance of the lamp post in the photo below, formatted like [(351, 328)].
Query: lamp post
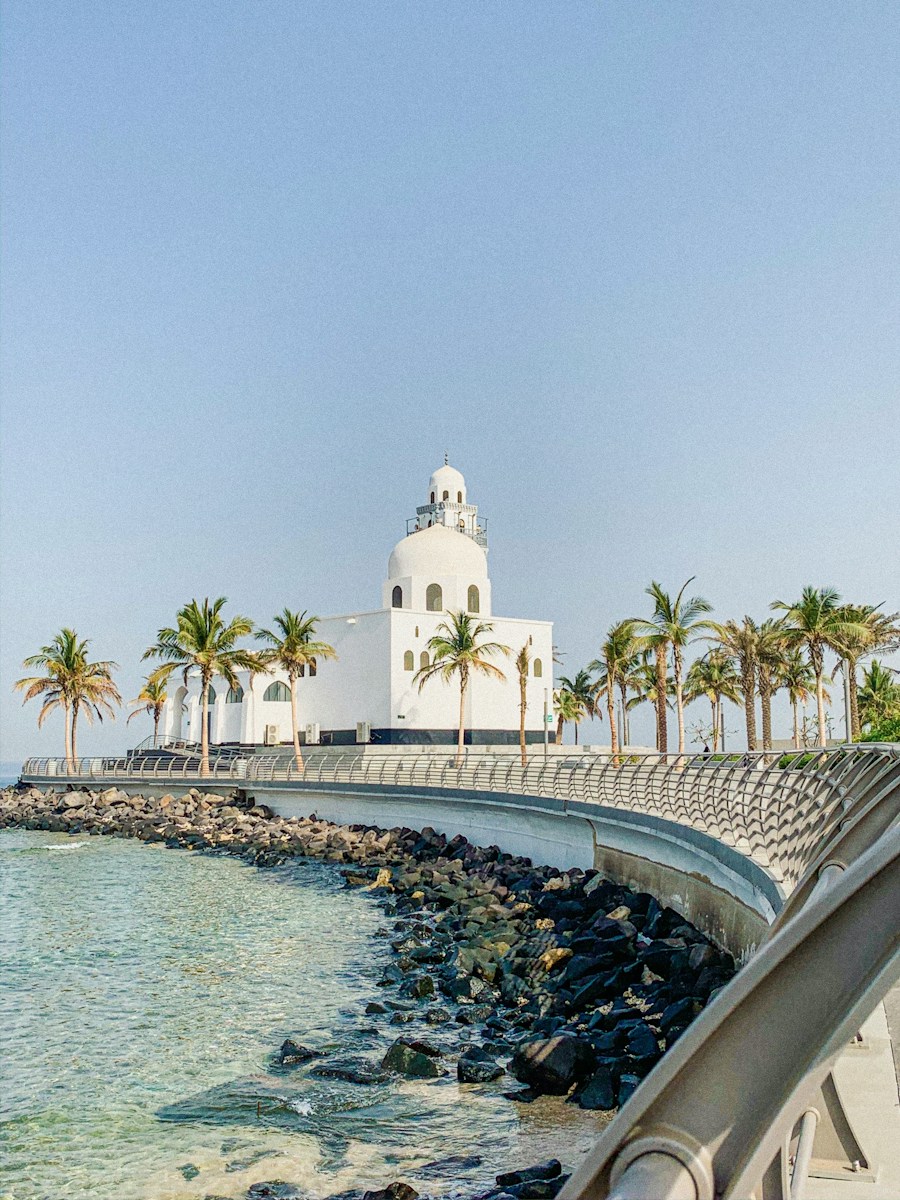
[(546, 724), (848, 723)]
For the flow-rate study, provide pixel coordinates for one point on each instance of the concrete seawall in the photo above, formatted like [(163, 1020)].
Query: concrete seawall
[(720, 890)]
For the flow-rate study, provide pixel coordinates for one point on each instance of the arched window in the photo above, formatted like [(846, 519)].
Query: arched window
[(235, 695), (446, 496), (397, 597), (434, 598), (474, 600), (278, 692), (424, 660), (459, 497), (462, 524), (313, 668), (432, 497), (212, 696), (409, 662), (538, 669)]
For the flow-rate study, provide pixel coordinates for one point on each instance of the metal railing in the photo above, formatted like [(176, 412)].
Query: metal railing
[(775, 808)]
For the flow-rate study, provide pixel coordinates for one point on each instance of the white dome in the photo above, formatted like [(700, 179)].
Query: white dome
[(437, 552), (447, 479)]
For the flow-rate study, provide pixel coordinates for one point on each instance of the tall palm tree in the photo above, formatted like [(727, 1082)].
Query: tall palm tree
[(523, 661), (879, 696), (741, 643), (796, 676), (771, 649), (617, 655), (642, 679), (818, 622), (71, 683), (457, 649), (673, 625), (872, 632), (583, 702), (293, 648), (150, 699), (715, 677), (201, 641)]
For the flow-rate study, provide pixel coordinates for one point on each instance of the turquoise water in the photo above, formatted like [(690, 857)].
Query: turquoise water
[(143, 991)]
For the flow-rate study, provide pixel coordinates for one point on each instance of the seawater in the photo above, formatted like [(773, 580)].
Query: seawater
[(143, 993)]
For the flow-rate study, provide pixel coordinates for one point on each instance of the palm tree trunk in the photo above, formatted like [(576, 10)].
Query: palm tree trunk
[(204, 731), (714, 705), (613, 731), (157, 713), (796, 723), (70, 759), (298, 757), (855, 726), (765, 702), (559, 730), (74, 737), (523, 702), (679, 698), (662, 733), (820, 708), (623, 691), (461, 736), (748, 687), (576, 731)]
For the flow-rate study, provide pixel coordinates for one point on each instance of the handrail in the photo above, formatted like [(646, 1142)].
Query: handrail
[(776, 809)]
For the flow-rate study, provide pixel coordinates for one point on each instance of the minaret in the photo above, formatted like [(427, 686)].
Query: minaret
[(447, 505)]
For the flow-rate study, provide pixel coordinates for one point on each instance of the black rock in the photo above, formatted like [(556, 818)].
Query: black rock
[(551, 1169), (437, 1016), (449, 1167), (553, 1064), (627, 1085), (393, 1191), (295, 1052), (375, 1007), (476, 1066), (600, 1091), (402, 1059), (275, 1189)]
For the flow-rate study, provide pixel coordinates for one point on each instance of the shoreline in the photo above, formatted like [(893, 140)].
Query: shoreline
[(563, 982)]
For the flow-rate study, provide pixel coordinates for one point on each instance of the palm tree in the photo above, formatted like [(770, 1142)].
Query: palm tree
[(642, 679), (741, 643), (770, 658), (796, 676), (817, 622), (523, 661), (202, 641), (292, 649), (150, 699), (71, 683), (456, 649), (715, 677), (875, 632), (579, 700), (879, 696), (617, 655), (674, 624)]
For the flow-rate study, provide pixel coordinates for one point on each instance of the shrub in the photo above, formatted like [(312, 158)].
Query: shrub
[(885, 730)]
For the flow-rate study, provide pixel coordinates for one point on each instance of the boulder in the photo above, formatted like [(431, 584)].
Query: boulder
[(393, 1191), (600, 1091), (553, 1065), (476, 1066), (402, 1059), (551, 1169), (295, 1052)]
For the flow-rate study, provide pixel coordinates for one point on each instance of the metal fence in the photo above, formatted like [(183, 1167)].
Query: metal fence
[(776, 808)]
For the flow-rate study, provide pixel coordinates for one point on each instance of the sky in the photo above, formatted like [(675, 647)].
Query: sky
[(635, 267)]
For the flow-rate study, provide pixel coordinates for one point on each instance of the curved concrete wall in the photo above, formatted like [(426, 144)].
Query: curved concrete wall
[(723, 892)]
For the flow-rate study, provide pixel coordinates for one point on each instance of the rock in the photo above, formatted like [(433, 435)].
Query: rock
[(437, 1016), (553, 1065), (275, 1189), (352, 1070), (477, 1066), (450, 1167), (189, 1171), (600, 1091), (627, 1085), (393, 1191), (551, 1169), (374, 1007), (295, 1052), (553, 957), (420, 988), (402, 1059)]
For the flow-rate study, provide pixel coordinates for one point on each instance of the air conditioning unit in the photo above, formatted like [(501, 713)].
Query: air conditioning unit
[(313, 734), (270, 737), (363, 731)]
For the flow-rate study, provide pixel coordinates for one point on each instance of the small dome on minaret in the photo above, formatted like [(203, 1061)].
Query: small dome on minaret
[(448, 485)]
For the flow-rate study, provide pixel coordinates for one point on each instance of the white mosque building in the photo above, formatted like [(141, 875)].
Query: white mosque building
[(369, 693)]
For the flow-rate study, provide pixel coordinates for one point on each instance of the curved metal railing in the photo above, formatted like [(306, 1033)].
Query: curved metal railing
[(775, 808)]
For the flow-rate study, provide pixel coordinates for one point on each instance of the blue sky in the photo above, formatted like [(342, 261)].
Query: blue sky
[(635, 266)]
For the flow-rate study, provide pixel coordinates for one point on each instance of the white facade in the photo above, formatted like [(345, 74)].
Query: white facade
[(438, 568)]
